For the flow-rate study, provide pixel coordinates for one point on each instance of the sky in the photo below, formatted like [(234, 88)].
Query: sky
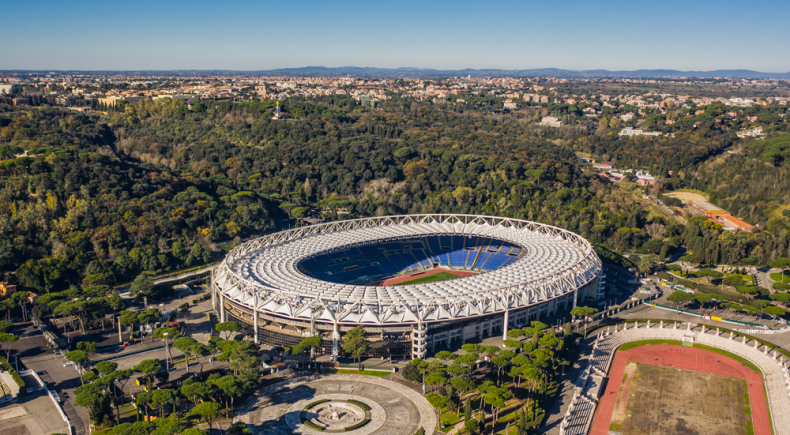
[(688, 35)]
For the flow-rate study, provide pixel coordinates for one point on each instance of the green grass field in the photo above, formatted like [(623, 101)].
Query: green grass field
[(441, 276)]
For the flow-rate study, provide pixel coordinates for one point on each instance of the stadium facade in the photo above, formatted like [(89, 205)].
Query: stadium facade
[(325, 279)]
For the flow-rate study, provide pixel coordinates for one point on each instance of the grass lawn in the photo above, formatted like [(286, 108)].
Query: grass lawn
[(441, 276), (778, 277), (634, 344)]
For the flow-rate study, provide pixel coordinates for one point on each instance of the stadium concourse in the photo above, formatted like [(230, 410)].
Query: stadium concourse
[(324, 280), (579, 416)]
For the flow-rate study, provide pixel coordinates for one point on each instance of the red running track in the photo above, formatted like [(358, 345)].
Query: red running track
[(685, 358)]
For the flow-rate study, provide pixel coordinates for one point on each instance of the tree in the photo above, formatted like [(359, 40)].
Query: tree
[(702, 298), (437, 402), (308, 344), (195, 390), (774, 312), (355, 343), (748, 290), (585, 313), (126, 319), (680, 298), (227, 328), (142, 285), (160, 398), (106, 367), (780, 263), (207, 410), (496, 397), (462, 385), (782, 298), (148, 317), (471, 426), (6, 339), (144, 399), (230, 387), (148, 367), (185, 345)]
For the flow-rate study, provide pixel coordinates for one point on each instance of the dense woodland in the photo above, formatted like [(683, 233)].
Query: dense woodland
[(157, 186)]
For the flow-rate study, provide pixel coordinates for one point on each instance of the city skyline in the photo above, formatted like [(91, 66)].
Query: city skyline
[(247, 36)]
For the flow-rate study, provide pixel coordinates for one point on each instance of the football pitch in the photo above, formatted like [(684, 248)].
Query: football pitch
[(441, 276)]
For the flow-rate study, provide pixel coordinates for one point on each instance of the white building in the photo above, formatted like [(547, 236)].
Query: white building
[(630, 131), (550, 121)]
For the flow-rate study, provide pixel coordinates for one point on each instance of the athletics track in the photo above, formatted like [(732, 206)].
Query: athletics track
[(685, 358)]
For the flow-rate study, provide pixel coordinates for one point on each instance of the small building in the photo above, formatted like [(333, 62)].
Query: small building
[(6, 289), (509, 104), (550, 121), (21, 101)]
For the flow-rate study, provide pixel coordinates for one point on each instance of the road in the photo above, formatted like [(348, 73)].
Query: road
[(34, 354)]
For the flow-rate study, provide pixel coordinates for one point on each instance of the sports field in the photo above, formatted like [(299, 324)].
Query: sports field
[(433, 275), (662, 400), (441, 276), (671, 389)]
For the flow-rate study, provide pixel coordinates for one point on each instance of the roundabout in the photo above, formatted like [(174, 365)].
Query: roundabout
[(352, 404)]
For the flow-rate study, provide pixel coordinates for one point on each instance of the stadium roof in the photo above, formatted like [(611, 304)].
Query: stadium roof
[(263, 273)]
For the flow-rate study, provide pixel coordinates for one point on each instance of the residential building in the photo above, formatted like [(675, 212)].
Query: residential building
[(550, 121), (9, 89)]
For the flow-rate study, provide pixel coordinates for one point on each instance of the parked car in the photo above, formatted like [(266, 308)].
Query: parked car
[(68, 364)]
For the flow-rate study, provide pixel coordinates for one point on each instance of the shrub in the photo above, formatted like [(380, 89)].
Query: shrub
[(317, 402), (312, 425), (18, 379), (360, 404), (358, 425)]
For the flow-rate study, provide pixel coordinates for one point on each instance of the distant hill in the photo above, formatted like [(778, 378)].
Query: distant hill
[(542, 72), (428, 72)]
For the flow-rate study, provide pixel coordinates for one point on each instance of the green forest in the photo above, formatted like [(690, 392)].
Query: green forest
[(94, 200)]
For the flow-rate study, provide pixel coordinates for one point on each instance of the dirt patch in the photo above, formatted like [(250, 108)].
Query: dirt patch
[(666, 400), (686, 197), (681, 390)]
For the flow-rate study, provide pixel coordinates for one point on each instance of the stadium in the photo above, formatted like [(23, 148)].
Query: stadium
[(416, 282)]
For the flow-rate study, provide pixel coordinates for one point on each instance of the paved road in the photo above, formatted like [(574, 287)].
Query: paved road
[(33, 353), (38, 416), (565, 395)]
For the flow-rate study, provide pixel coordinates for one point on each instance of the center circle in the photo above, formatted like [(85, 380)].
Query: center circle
[(335, 413)]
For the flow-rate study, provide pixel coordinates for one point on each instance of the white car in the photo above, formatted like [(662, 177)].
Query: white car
[(68, 364)]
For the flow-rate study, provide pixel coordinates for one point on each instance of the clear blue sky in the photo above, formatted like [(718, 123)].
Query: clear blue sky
[(256, 35)]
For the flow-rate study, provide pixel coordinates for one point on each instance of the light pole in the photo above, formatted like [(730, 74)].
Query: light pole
[(167, 353)]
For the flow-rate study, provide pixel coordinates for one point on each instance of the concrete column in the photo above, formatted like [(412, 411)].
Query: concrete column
[(505, 326), (222, 308), (213, 292), (575, 295), (255, 324), (418, 344), (335, 340)]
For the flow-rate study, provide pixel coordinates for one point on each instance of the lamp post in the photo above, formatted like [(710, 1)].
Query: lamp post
[(167, 353)]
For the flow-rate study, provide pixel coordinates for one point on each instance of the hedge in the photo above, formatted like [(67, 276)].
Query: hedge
[(312, 425), (358, 425), (360, 404), (317, 402), (7, 367)]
